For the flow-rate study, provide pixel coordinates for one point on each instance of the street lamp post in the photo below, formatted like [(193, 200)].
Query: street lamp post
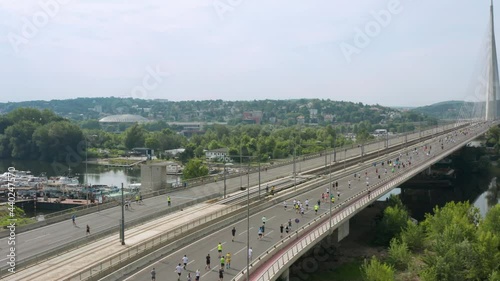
[(224, 171), (325, 158), (241, 170), (86, 169), (248, 174), (345, 156), (387, 143), (259, 175), (362, 151), (122, 226), (248, 233), (294, 175), (331, 192)]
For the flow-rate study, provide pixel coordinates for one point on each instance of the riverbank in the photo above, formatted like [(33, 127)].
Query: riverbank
[(126, 162)]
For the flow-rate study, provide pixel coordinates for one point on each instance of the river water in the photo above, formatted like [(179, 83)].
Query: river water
[(482, 191), (95, 174)]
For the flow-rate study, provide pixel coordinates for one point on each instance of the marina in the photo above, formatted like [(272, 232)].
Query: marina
[(41, 191)]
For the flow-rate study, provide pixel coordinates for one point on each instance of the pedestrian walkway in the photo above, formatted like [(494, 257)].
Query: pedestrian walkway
[(60, 267)]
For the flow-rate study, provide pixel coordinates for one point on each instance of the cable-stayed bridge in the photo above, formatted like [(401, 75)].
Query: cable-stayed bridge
[(201, 224)]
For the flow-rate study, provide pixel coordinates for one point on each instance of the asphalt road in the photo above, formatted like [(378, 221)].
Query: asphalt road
[(276, 215), (35, 242)]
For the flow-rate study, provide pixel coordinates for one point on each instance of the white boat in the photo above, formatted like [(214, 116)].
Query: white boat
[(55, 181), (133, 187)]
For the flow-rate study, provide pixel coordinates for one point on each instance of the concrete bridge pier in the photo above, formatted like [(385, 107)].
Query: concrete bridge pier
[(285, 276), (343, 231), (428, 171)]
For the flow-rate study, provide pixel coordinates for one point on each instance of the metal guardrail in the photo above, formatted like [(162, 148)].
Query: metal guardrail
[(145, 246), (153, 243), (211, 178), (84, 241), (82, 210), (305, 242), (37, 259)]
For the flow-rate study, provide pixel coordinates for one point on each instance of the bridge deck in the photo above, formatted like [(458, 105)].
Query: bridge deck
[(238, 252)]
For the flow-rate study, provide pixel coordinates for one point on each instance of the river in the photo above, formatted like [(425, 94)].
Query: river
[(95, 174), (92, 174), (482, 191)]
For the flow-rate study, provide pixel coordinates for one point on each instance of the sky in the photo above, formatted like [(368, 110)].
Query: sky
[(388, 52)]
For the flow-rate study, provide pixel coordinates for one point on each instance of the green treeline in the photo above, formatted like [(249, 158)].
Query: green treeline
[(27, 133), (454, 243), (281, 112)]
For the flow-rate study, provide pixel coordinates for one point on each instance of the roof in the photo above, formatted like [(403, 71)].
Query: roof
[(218, 150), (124, 118)]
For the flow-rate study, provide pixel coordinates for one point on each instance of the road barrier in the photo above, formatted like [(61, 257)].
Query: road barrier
[(290, 249)]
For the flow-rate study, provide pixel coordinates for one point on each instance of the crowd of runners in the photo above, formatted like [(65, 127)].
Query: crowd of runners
[(301, 207)]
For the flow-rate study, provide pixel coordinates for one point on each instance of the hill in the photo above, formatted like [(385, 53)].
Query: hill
[(287, 112), (447, 109)]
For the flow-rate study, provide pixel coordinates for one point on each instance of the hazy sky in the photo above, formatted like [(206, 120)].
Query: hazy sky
[(412, 53)]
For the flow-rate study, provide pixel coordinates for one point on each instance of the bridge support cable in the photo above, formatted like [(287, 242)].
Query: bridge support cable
[(482, 97)]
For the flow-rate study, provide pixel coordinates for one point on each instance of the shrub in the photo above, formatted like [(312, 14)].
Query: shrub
[(377, 271), (399, 254)]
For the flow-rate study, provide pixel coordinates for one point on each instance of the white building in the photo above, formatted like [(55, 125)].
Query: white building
[(380, 132), (217, 153)]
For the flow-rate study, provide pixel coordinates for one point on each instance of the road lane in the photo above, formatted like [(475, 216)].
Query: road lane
[(199, 250), (31, 243)]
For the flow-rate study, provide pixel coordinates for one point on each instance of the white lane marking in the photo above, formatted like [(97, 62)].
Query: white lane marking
[(239, 251), (36, 237), (245, 231), (211, 270)]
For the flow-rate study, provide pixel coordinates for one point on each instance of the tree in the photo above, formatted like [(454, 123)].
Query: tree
[(194, 169), (91, 124), (452, 214), (134, 137), (152, 142), (56, 140), (399, 254), (413, 235), (393, 221), (395, 201), (494, 276), (377, 271), (493, 137), (491, 221), (20, 141)]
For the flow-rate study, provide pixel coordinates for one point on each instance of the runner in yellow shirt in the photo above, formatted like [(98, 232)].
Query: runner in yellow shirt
[(228, 261)]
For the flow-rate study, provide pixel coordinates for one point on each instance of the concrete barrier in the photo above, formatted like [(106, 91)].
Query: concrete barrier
[(119, 270), (78, 243)]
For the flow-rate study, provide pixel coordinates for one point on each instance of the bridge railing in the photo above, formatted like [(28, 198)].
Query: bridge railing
[(321, 224)]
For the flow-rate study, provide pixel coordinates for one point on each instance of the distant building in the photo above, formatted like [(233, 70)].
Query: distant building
[(217, 153), (252, 117), (144, 151), (313, 113), (328, 117), (174, 152), (121, 122), (301, 119), (124, 118)]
